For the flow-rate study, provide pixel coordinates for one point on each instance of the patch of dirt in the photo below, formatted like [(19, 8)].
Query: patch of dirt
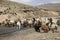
[(30, 34)]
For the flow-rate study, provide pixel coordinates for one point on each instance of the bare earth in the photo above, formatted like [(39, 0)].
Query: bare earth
[(30, 34)]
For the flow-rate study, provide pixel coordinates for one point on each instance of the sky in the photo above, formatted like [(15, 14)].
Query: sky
[(36, 2)]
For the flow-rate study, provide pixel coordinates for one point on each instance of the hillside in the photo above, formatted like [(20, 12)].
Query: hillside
[(12, 10), (51, 6)]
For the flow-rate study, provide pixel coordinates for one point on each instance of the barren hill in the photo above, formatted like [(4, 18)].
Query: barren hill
[(51, 6), (13, 10)]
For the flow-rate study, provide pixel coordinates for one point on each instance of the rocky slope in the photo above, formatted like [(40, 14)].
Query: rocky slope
[(12, 10)]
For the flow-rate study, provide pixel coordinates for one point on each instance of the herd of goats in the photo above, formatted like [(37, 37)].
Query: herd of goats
[(35, 23)]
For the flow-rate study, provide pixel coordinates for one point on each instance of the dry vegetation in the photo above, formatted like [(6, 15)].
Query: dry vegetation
[(15, 10)]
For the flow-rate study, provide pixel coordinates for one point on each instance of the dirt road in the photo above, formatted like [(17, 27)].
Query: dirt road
[(30, 34)]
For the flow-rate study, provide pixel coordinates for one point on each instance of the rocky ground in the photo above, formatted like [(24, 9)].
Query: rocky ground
[(30, 34)]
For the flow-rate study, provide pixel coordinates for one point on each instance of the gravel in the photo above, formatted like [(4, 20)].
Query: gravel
[(30, 34)]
